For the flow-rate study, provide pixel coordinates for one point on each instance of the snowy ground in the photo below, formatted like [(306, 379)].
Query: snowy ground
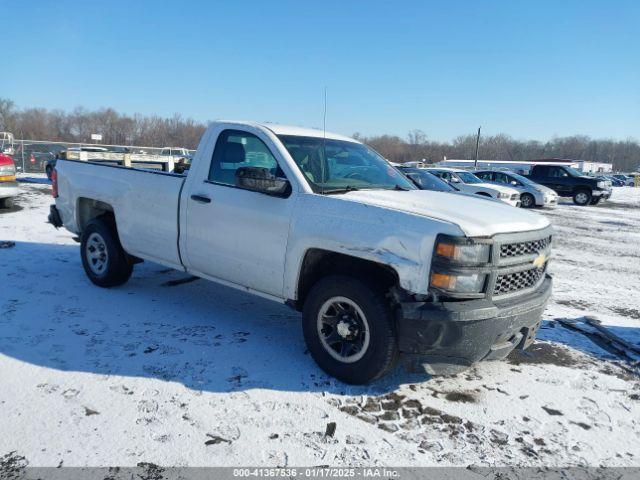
[(198, 374)]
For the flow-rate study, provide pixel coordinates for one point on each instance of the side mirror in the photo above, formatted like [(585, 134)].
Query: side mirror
[(259, 179), (514, 183), (454, 180)]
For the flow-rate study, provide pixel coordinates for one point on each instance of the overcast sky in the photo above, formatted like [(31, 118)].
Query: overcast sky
[(532, 69)]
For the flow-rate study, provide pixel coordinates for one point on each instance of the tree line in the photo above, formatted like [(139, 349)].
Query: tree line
[(116, 128), (623, 154), (154, 131)]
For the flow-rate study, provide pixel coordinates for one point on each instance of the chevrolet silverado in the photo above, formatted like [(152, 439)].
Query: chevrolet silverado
[(379, 269)]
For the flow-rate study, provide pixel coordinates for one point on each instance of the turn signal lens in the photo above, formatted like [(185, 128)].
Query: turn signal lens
[(445, 282), (7, 178)]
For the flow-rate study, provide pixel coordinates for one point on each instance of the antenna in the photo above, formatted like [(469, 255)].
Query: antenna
[(324, 136), (475, 163), (324, 117)]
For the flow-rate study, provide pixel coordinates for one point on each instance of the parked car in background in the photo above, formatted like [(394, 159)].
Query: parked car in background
[(615, 182), (425, 180), (467, 182), (8, 184), (176, 152), (531, 194), (627, 180), (569, 182), (378, 268), (428, 181)]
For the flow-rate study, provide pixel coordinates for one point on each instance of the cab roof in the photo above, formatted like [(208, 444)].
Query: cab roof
[(279, 129)]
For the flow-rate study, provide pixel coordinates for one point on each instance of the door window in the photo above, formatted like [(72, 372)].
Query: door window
[(557, 172), (502, 178), (236, 149), (483, 175)]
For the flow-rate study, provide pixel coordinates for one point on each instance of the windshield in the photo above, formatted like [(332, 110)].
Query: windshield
[(426, 180), (521, 179), (467, 177), (336, 165)]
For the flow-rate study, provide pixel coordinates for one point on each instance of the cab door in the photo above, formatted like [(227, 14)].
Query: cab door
[(233, 234), (558, 180)]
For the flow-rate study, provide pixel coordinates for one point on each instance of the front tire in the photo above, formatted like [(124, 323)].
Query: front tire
[(595, 201), (6, 202), (582, 197), (527, 200), (103, 258), (349, 329)]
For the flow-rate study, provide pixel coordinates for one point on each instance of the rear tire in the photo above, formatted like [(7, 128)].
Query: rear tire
[(527, 200), (103, 258), (349, 329), (6, 202), (582, 197)]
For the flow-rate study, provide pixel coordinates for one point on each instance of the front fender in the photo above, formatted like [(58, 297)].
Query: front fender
[(401, 241)]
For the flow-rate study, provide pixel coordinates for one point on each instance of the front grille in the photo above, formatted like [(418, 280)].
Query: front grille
[(518, 249), (513, 282)]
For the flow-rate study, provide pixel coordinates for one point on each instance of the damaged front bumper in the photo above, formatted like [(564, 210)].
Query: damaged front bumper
[(445, 338), (603, 194)]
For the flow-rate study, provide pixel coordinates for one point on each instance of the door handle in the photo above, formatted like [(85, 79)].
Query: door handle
[(201, 198)]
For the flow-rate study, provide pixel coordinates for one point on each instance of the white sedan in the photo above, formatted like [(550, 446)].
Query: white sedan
[(467, 182), (531, 194)]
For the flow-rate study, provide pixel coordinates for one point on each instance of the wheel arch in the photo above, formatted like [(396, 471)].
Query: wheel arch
[(87, 209), (318, 263)]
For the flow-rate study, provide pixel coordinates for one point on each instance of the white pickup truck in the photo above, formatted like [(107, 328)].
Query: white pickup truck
[(379, 269)]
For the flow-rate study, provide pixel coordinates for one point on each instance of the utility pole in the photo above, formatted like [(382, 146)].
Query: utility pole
[(475, 163)]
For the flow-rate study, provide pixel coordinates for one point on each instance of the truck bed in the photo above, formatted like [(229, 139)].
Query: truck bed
[(145, 203)]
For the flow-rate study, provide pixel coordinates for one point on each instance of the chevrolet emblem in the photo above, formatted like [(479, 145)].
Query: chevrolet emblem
[(539, 260)]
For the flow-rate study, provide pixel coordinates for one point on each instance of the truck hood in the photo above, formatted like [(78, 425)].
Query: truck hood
[(475, 217)]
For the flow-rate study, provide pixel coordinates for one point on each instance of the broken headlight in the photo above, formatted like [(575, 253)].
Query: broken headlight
[(459, 265)]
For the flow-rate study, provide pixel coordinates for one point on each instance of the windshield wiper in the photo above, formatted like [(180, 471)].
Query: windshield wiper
[(401, 188), (346, 189)]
